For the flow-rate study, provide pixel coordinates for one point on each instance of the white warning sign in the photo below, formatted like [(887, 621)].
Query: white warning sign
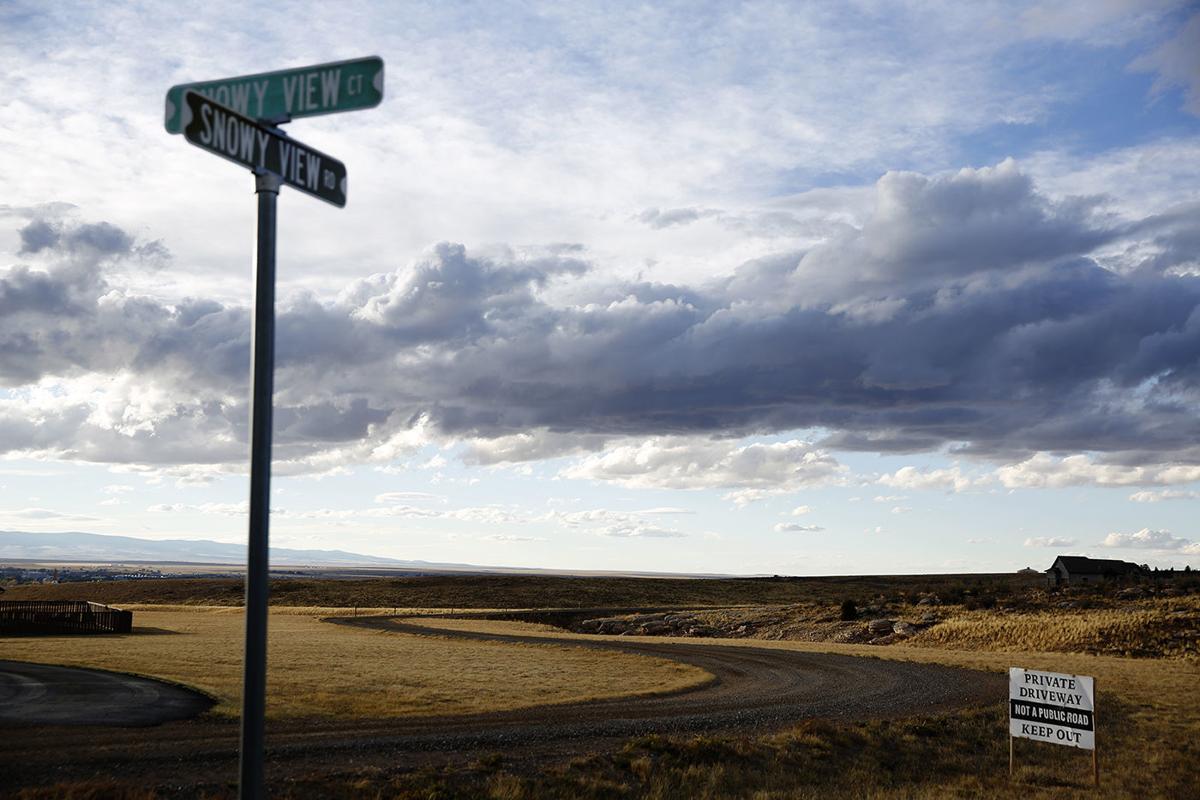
[(1052, 707)]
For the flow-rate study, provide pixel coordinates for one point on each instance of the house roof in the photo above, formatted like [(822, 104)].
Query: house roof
[(1082, 565)]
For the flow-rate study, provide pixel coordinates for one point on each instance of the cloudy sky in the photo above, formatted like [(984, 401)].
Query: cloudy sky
[(802, 288)]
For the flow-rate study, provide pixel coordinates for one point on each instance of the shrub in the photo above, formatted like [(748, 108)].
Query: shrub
[(849, 610), (976, 603)]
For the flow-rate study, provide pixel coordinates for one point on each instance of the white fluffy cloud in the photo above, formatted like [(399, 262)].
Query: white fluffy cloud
[(1049, 541), (45, 514), (639, 532), (406, 497), (221, 509), (1164, 494), (1043, 470), (795, 527), (620, 524), (690, 463), (1176, 62), (1149, 539), (914, 478), (513, 538)]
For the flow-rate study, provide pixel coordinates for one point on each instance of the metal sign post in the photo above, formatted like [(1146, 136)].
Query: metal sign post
[(254, 142), (262, 371)]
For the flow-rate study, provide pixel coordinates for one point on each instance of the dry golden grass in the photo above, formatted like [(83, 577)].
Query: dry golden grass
[(1148, 724), (1157, 628), (1148, 713), (317, 668)]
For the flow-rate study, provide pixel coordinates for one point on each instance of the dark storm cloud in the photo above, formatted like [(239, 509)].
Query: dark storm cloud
[(101, 239), (969, 312), (1175, 237), (38, 235)]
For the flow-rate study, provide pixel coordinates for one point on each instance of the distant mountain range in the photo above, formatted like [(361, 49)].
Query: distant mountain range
[(92, 547)]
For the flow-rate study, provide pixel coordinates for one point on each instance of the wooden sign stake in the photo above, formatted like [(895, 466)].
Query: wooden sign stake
[(1096, 749)]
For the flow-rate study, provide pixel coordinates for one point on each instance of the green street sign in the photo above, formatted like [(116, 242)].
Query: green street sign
[(230, 135), (289, 93)]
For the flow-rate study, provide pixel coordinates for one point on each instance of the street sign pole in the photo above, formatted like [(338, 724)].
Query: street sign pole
[(237, 119), (251, 785)]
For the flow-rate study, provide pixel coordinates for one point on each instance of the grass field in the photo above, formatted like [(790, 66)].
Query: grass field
[(1148, 713), (1143, 653), (317, 668), (925, 758)]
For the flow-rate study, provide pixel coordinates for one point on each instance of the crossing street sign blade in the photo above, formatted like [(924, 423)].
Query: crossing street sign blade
[(220, 130), (289, 93)]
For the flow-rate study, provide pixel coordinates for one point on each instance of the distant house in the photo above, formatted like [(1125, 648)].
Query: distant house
[(1080, 570)]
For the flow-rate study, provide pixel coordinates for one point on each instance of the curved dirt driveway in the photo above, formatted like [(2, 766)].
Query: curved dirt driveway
[(44, 694), (755, 689)]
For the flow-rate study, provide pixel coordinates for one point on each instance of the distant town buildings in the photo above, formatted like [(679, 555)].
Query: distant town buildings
[(32, 574)]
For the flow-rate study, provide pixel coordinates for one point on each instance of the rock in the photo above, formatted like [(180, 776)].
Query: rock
[(880, 626), (851, 635), (904, 629), (655, 628)]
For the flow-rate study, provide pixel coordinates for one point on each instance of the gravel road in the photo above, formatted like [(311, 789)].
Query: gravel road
[(754, 689)]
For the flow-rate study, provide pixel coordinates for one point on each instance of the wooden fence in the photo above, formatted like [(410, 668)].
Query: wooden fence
[(62, 616)]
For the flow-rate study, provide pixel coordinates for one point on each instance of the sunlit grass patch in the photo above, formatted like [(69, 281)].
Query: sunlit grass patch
[(318, 668), (1146, 629)]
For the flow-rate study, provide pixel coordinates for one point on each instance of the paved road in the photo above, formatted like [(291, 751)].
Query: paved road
[(755, 689), (42, 694)]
